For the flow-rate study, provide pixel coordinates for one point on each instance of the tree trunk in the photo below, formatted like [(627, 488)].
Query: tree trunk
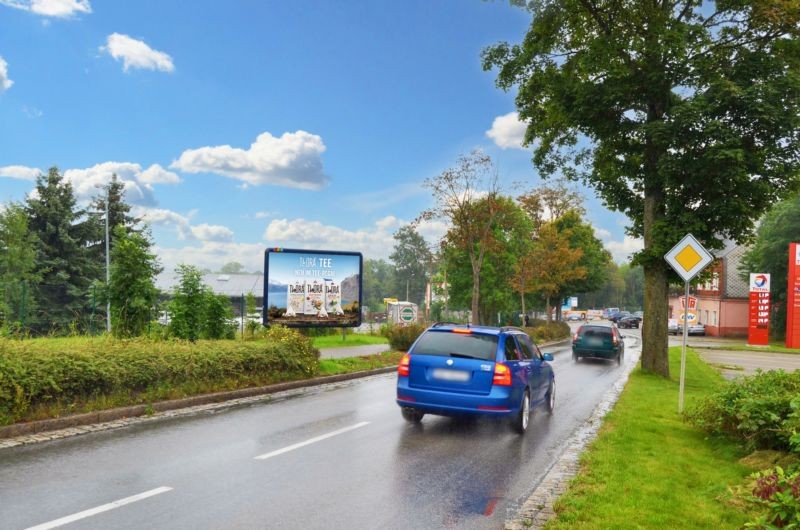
[(476, 294), (654, 325), (547, 308)]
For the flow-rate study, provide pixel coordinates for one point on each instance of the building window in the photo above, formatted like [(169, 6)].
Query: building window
[(714, 314), (706, 320)]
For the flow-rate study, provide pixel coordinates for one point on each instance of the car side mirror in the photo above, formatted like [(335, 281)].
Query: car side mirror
[(548, 356)]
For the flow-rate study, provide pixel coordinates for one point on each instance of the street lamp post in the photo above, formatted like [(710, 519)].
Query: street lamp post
[(108, 260), (108, 267)]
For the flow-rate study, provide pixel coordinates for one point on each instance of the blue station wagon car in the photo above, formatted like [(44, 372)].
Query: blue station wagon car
[(455, 370)]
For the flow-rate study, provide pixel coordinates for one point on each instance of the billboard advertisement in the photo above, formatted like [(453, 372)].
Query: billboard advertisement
[(312, 288), (758, 321)]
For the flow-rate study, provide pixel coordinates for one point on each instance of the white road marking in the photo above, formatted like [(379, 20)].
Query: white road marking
[(100, 509), (311, 441)]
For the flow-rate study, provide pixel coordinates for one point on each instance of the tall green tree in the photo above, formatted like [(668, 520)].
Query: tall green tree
[(232, 267), (17, 268), (119, 213), (682, 114), (195, 312), (413, 263), (132, 290), (64, 262), (456, 192), (594, 257), (770, 253), (378, 283)]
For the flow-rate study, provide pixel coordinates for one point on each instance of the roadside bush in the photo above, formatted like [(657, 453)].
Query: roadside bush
[(63, 372), (540, 331), (762, 410), (402, 337), (779, 493)]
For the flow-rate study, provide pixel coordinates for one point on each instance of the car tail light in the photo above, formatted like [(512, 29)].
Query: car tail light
[(466, 331), (502, 375), (403, 367), (575, 338), (614, 341)]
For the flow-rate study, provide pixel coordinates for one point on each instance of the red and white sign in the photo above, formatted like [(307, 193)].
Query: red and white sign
[(692, 303), (793, 298), (758, 326)]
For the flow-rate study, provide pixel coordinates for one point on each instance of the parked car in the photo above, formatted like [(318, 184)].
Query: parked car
[(617, 316), (639, 315), (696, 329), (672, 327), (600, 341), (628, 322), (453, 370), (573, 317)]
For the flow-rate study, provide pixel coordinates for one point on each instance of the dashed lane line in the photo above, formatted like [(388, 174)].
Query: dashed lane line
[(311, 441), (100, 509)]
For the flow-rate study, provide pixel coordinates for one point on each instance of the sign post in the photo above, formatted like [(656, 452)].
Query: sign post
[(793, 298), (758, 321), (687, 258)]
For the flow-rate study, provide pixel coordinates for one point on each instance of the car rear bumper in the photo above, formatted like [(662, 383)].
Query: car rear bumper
[(501, 401), (599, 354)]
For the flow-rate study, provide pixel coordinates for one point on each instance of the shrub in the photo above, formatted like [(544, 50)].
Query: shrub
[(762, 410), (778, 492), (402, 337), (67, 371)]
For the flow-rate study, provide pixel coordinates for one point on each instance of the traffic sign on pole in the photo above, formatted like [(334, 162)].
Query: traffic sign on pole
[(687, 258)]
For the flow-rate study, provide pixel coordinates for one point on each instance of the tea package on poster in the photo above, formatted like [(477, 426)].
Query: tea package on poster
[(333, 297), (315, 298), (295, 298)]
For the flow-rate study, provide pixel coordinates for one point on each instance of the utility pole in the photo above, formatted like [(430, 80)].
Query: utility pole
[(108, 266)]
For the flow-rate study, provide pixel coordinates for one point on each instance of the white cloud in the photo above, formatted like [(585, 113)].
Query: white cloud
[(138, 183), (136, 54), (292, 160), (206, 232), (601, 233), (374, 241), (508, 131), (32, 112), (156, 174), (51, 8), (5, 82), (213, 255), (621, 251), (20, 172), (182, 224), (263, 215)]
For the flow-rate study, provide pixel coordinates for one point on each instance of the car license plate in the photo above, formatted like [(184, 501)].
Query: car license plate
[(450, 375), (593, 341)]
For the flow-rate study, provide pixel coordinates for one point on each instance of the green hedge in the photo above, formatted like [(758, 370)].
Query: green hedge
[(402, 337), (761, 410), (42, 372)]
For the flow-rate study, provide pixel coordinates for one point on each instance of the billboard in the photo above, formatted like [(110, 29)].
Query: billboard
[(312, 288), (758, 321)]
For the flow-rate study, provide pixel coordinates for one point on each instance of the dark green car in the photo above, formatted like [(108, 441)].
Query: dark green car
[(599, 341)]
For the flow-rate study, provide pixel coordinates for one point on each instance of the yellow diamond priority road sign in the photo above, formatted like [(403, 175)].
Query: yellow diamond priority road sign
[(688, 257)]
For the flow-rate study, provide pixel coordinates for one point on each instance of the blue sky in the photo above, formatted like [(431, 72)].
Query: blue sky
[(247, 124)]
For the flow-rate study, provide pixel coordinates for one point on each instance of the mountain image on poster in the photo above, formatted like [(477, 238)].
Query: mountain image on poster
[(333, 297)]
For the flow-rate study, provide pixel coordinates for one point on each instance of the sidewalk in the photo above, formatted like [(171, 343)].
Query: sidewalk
[(747, 362)]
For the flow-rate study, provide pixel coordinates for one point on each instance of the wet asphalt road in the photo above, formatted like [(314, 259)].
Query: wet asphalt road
[(341, 458)]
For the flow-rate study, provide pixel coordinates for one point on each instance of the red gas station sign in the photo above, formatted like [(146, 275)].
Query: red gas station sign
[(793, 298), (758, 325)]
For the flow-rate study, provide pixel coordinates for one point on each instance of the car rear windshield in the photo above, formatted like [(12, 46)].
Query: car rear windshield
[(595, 331), (449, 344)]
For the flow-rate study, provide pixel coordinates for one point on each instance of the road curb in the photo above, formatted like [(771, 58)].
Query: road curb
[(35, 429)]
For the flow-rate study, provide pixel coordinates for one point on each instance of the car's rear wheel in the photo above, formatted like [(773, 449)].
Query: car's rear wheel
[(619, 358), (550, 404), (412, 415), (520, 421), (575, 357)]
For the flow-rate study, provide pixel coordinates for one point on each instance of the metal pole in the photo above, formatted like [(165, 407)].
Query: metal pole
[(683, 353), (108, 267), (406, 289), (241, 314)]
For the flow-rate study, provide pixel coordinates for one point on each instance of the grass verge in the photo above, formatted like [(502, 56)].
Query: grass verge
[(772, 348), (358, 364), (335, 341), (650, 469)]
